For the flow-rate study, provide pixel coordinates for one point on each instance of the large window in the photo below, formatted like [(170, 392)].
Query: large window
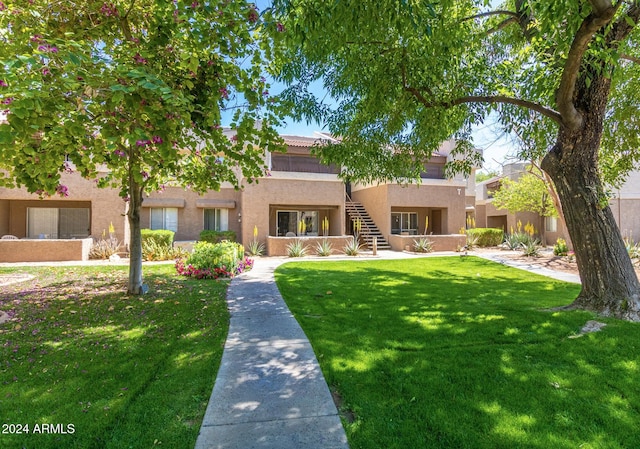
[(404, 223), (216, 219), (164, 218), (57, 223), (297, 222)]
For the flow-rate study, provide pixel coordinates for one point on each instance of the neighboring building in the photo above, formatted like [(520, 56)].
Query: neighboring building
[(488, 216), (625, 205), (297, 196)]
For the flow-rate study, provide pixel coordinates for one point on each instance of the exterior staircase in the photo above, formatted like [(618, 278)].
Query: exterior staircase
[(368, 230)]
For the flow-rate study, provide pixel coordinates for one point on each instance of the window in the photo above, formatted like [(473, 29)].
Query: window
[(297, 222), (216, 219), (57, 223), (164, 218), (551, 224), (404, 223)]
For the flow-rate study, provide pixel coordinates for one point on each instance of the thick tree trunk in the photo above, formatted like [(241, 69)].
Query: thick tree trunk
[(135, 245), (610, 286)]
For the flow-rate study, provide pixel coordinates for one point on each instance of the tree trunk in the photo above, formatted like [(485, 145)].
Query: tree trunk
[(610, 286), (135, 236)]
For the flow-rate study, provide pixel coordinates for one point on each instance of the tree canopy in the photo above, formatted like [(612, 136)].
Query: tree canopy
[(528, 193), (405, 75), (138, 88)]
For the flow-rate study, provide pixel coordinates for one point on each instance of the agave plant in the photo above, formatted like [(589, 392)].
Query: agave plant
[(531, 249), (423, 245), (296, 249), (352, 248), (324, 248), (255, 248)]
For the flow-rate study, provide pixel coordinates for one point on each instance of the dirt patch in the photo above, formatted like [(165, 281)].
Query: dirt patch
[(345, 413)]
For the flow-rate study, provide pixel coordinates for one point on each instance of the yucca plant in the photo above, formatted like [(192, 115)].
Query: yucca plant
[(296, 249), (353, 248), (104, 248), (472, 241), (531, 249), (324, 248), (255, 248), (423, 245)]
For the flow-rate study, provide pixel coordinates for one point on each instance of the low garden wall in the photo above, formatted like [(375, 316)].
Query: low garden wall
[(277, 246), (450, 242), (44, 250)]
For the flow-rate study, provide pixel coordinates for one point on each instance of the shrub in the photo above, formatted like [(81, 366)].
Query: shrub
[(516, 240), (296, 249), (487, 236), (214, 260), (153, 250), (352, 248), (633, 248), (324, 248), (560, 248), (423, 245), (162, 237), (217, 236)]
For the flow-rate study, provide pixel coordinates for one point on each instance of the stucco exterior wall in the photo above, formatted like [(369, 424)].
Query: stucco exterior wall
[(105, 204), (376, 201), (444, 196), (260, 202), (30, 250), (627, 215), (440, 242), (277, 246), (191, 208)]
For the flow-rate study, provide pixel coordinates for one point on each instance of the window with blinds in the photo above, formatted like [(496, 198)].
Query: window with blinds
[(164, 218), (58, 223)]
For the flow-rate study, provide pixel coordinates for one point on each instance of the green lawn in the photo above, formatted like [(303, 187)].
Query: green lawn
[(110, 370), (464, 353)]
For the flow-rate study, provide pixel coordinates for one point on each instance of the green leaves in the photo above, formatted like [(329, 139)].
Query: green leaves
[(137, 97)]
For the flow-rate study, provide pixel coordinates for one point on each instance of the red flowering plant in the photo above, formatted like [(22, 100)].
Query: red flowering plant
[(214, 261)]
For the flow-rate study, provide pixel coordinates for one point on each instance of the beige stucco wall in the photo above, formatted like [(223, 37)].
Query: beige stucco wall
[(448, 197), (440, 242), (261, 201), (627, 215), (30, 250), (277, 246), (106, 206), (190, 207)]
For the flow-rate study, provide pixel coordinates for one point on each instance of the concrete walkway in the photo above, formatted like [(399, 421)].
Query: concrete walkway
[(269, 391), (498, 257)]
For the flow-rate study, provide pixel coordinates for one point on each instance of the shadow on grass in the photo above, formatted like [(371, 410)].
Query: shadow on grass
[(451, 352), (122, 371)]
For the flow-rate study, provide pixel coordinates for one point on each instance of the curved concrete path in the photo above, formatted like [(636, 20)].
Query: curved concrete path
[(269, 391)]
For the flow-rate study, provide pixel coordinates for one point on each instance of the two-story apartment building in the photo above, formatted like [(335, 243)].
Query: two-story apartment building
[(297, 196)]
